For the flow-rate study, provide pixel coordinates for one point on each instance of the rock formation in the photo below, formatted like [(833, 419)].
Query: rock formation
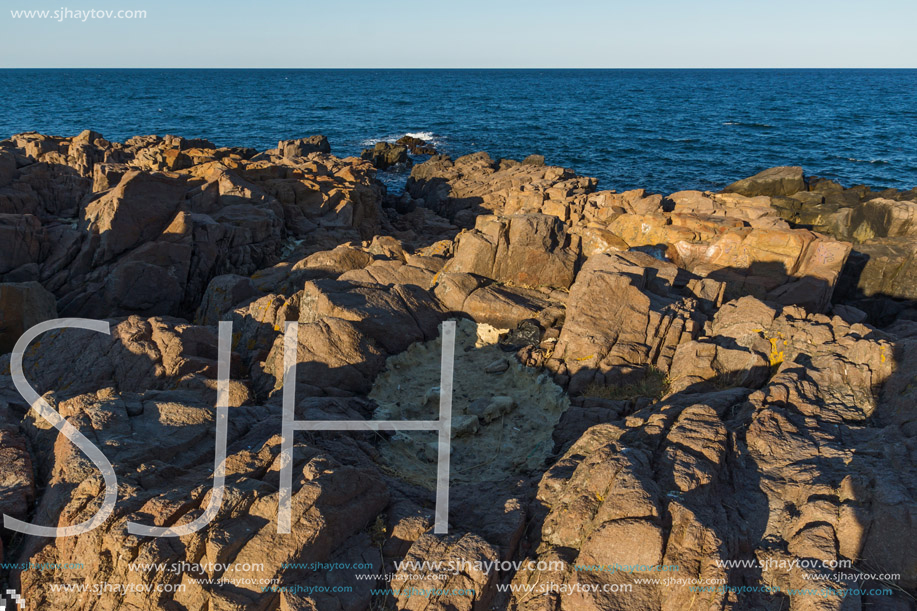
[(735, 373), (385, 154)]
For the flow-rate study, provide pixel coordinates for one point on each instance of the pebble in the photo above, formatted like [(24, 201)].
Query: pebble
[(498, 366)]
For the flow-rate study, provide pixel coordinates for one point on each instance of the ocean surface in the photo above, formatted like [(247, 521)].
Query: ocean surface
[(663, 130)]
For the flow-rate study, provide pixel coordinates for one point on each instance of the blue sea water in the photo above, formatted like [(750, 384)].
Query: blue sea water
[(664, 130)]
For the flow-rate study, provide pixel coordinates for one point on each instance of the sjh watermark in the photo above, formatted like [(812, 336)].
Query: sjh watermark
[(442, 425), (66, 14), (16, 598)]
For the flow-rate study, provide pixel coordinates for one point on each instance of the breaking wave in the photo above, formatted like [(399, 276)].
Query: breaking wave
[(429, 137)]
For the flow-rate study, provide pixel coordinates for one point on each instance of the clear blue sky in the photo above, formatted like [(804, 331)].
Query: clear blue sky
[(467, 33)]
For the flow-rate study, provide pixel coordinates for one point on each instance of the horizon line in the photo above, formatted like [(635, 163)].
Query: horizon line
[(453, 68)]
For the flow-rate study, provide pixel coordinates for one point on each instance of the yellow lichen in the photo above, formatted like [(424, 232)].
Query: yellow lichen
[(776, 356)]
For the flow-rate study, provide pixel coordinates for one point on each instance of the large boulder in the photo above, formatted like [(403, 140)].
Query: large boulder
[(222, 294), (504, 307), (385, 154), (341, 259), (754, 211), (885, 267), (394, 317), (528, 250), (417, 146), (792, 267), (332, 356), (783, 180), (134, 212), (474, 587), (610, 341), (290, 149), (346, 329), (474, 184), (882, 218)]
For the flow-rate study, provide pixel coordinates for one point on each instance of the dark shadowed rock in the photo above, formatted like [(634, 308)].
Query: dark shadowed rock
[(22, 306), (135, 211), (22, 241), (417, 146), (385, 154), (222, 295)]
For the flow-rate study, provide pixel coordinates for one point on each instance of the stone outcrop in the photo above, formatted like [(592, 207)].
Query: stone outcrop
[(525, 250), (785, 266), (417, 146), (737, 236), (785, 180), (471, 184), (141, 227), (733, 375), (385, 154), (290, 149), (608, 340)]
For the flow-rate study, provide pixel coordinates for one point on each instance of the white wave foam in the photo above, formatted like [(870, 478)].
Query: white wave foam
[(429, 137), (744, 124), (877, 161)]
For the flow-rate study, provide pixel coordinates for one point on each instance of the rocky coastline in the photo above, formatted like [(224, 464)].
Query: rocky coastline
[(734, 376)]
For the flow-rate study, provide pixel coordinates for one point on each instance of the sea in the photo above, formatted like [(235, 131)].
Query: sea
[(663, 130)]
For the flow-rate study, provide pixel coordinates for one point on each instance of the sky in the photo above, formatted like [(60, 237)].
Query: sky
[(464, 34)]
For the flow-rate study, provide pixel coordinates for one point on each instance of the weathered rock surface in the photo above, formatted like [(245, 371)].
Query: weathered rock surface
[(739, 369), (475, 183), (17, 485), (528, 250), (417, 146), (785, 180), (22, 306), (303, 147), (157, 218), (607, 341), (384, 155)]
